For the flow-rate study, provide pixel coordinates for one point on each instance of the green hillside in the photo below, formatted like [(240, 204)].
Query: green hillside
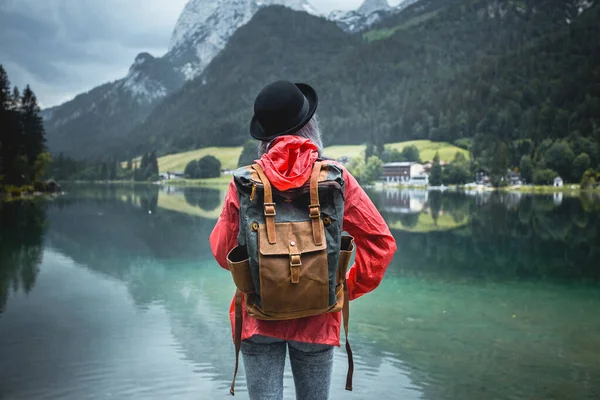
[(427, 150), (229, 155), (510, 75), (177, 162), (519, 79), (215, 109)]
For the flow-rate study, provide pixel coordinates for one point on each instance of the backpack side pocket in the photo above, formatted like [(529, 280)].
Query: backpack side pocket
[(345, 254), (239, 265)]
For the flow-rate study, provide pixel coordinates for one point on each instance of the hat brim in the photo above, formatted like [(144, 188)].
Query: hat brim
[(257, 131)]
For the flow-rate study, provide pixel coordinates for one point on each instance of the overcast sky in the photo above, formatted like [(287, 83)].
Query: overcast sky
[(65, 47)]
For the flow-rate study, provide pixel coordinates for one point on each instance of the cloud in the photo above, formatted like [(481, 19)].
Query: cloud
[(64, 47)]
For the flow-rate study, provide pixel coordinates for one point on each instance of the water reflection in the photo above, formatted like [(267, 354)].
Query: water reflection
[(206, 199), (201, 202), (422, 211), (22, 229), (490, 295), (497, 236)]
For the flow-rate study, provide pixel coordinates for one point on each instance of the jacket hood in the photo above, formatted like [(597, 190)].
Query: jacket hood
[(289, 161)]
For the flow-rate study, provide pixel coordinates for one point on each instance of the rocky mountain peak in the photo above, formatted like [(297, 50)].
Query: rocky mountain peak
[(370, 6)]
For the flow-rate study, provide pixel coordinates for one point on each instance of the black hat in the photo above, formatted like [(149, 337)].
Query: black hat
[(282, 108)]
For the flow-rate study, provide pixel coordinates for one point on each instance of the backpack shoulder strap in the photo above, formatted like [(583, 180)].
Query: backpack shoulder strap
[(314, 209), (237, 341), (346, 319), (269, 205)]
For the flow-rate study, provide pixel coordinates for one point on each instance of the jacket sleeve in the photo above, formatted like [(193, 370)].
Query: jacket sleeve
[(224, 235), (375, 245)]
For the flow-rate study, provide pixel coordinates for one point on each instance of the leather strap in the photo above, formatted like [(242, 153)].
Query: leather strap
[(314, 209), (268, 205), (346, 317), (295, 260), (237, 341)]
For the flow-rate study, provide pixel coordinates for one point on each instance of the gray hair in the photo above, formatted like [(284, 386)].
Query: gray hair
[(310, 131)]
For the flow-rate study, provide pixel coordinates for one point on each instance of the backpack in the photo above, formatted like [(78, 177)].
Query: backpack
[(291, 259)]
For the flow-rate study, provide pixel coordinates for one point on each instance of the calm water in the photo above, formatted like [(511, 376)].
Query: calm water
[(113, 293)]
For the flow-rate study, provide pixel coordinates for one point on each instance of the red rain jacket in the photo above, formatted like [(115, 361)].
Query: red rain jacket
[(288, 164)]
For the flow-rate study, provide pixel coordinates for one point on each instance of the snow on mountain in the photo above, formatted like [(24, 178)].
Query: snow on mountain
[(205, 26), (369, 13), (370, 6), (140, 83), (202, 31), (194, 13)]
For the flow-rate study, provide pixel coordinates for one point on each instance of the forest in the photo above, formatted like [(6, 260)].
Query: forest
[(516, 83), (23, 154)]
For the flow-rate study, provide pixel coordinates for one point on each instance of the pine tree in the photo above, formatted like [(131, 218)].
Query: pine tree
[(499, 164), (12, 164), (114, 165), (144, 162), (526, 169), (103, 171), (34, 141), (435, 175), (15, 101), (4, 89), (4, 98), (153, 164)]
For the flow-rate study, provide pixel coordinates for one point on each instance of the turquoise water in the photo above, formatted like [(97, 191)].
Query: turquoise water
[(112, 292)]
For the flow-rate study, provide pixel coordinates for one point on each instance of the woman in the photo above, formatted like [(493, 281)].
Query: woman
[(287, 127)]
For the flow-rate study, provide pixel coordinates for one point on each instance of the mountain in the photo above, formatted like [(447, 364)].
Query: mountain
[(509, 77), (505, 79), (370, 6), (84, 126), (94, 122), (205, 26), (257, 53), (368, 14)]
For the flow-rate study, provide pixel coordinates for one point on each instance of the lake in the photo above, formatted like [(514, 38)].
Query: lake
[(112, 292)]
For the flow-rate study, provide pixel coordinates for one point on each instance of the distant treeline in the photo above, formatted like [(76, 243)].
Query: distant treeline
[(514, 82), (65, 168)]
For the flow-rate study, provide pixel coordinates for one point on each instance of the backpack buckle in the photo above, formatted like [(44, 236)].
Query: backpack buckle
[(295, 263), (270, 210), (314, 211), (295, 260)]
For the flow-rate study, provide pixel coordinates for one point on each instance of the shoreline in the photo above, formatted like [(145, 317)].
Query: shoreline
[(535, 189), (27, 196), (225, 180), (221, 181)]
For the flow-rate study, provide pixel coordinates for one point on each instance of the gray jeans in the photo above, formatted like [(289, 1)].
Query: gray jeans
[(264, 361)]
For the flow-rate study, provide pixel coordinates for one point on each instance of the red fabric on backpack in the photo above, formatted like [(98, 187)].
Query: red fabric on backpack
[(375, 245)]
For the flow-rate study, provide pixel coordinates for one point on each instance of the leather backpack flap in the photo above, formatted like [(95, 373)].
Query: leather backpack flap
[(293, 270)]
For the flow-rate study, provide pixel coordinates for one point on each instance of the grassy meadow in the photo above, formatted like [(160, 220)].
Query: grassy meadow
[(229, 155)]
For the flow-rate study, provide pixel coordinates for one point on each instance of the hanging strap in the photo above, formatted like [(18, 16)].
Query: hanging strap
[(314, 209), (346, 317), (268, 204), (237, 341)]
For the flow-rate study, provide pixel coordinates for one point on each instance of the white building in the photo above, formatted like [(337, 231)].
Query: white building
[(403, 172), (558, 182), (419, 180)]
